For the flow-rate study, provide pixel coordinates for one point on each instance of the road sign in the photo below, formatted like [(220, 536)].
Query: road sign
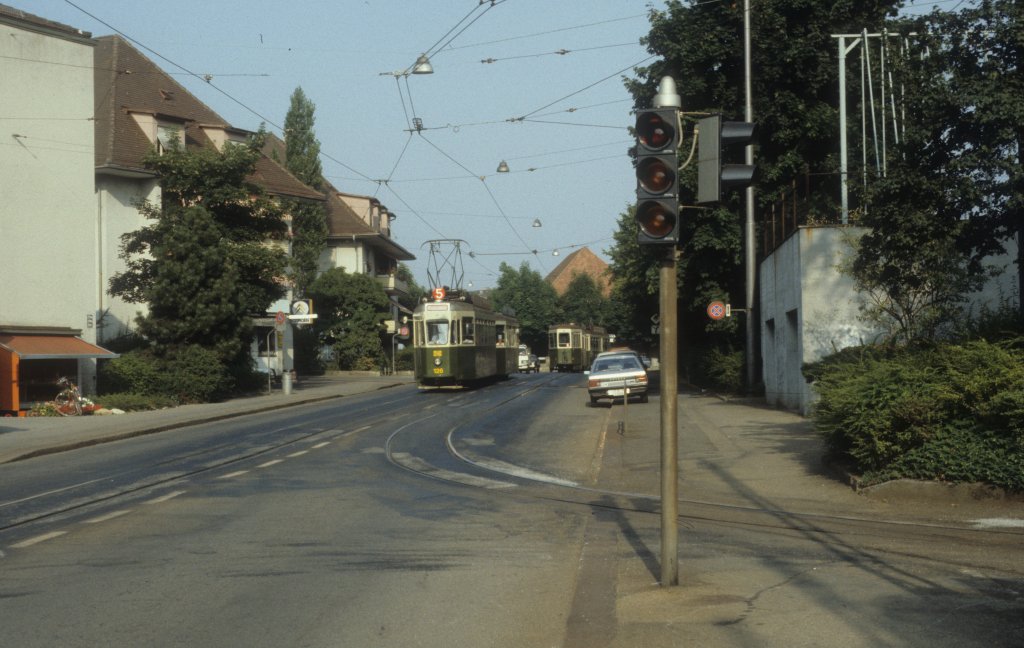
[(280, 317), (716, 310)]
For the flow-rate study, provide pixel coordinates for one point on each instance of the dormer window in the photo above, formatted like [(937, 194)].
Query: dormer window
[(165, 135)]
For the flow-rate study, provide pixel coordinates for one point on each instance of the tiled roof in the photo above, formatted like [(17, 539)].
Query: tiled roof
[(126, 80), (582, 261)]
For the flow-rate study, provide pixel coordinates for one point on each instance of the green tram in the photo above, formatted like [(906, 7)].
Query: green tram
[(572, 347), (458, 341)]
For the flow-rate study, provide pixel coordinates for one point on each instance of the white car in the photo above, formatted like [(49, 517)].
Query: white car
[(617, 375)]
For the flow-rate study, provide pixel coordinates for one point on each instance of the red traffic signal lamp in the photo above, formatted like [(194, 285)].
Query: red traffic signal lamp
[(657, 176), (714, 138)]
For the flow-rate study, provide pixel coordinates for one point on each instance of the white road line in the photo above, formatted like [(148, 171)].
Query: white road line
[(108, 516), (998, 523), (164, 498), (234, 474), (38, 539), (272, 462), (321, 444), (298, 454)]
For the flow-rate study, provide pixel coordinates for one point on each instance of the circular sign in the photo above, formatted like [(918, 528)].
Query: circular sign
[(404, 331), (280, 317), (716, 310), (438, 294)]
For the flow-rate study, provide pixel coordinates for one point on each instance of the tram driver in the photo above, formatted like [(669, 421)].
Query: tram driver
[(437, 331)]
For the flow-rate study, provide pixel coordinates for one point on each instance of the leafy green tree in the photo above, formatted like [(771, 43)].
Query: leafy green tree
[(700, 44), (309, 219), (533, 300), (583, 302), (202, 264), (954, 187), (351, 311)]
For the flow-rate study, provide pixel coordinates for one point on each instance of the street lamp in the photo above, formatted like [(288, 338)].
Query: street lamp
[(536, 222), (422, 65), (503, 167)]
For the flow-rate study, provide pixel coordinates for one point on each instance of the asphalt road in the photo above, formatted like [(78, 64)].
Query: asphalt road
[(507, 516)]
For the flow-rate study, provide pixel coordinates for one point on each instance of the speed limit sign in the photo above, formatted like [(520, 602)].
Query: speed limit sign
[(716, 310)]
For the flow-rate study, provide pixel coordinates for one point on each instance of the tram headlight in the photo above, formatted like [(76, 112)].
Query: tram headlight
[(437, 362)]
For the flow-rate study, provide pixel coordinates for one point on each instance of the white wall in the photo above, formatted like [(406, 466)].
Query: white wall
[(116, 214), (47, 213), (809, 308)]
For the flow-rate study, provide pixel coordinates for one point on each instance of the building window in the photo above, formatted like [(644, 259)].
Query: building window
[(165, 135)]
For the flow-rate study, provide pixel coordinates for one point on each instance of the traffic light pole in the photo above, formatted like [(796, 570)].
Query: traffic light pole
[(749, 235), (669, 359)]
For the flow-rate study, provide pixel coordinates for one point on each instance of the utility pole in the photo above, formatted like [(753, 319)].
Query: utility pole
[(749, 238), (669, 350)]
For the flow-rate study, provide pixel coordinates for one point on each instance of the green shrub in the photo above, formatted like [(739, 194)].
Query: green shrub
[(953, 412), (135, 402), (191, 374)]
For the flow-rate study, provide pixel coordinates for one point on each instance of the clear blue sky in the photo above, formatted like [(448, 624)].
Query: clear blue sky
[(345, 55)]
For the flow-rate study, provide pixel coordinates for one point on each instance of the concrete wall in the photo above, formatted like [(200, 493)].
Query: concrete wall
[(47, 233), (116, 213), (809, 308)]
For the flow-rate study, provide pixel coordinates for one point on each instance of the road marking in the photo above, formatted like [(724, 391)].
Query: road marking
[(38, 539), (420, 466), (234, 474), (321, 444), (270, 463), (108, 516), (164, 498), (298, 454), (998, 523)]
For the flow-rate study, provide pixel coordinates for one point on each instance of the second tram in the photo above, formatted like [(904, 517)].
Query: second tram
[(573, 347)]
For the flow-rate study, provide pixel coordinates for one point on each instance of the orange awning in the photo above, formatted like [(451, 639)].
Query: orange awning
[(51, 347)]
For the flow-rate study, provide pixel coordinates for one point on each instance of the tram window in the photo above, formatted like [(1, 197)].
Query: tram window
[(437, 331), (500, 333), (467, 330), (564, 339)]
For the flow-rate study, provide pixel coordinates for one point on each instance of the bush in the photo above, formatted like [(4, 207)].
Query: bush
[(952, 412), (190, 374), (136, 402)]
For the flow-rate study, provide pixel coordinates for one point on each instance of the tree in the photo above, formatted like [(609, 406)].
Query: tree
[(583, 302), (700, 44), (953, 189), (309, 220), (532, 300), (202, 266), (351, 311)]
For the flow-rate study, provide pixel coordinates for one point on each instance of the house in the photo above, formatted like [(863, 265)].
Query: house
[(585, 262), (49, 235), (138, 108)]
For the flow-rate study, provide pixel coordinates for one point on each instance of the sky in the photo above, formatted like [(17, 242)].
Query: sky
[(536, 83)]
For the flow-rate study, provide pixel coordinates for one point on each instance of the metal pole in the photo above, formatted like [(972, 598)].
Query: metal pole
[(669, 352), (751, 257), (844, 179)]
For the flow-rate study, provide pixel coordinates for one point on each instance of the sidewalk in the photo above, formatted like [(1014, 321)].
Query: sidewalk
[(21, 438)]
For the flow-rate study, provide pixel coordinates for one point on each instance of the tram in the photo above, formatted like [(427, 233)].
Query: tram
[(573, 347), (459, 341)]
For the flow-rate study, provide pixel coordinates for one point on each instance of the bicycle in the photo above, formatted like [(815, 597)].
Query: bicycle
[(69, 401)]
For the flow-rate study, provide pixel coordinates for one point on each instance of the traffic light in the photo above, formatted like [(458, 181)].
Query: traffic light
[(714, 136), (657, 176)]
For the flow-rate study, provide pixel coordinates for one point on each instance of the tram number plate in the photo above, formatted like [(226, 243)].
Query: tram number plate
[(438, 370)]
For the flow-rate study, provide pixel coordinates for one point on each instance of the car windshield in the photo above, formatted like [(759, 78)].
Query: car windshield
[(618, 363)]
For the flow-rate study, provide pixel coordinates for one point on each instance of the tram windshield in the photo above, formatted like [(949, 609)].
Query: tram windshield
[(437, 331), (564, 339)]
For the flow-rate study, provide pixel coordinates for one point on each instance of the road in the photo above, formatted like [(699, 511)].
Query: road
[(507, 516)]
